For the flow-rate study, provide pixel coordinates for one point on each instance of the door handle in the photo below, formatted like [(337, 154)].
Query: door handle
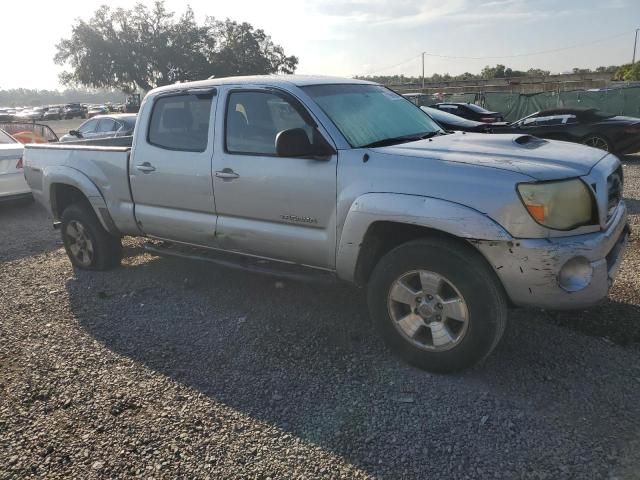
[(226, 174), (145, 167)]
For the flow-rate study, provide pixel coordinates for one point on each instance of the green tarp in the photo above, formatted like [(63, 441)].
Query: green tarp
[(621, 101)]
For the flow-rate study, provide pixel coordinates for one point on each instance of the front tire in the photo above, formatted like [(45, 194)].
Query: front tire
[(437, 304), (598, 141), (88, 245)]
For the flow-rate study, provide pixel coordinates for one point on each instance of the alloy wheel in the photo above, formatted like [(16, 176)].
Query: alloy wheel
[(597, 142), (80, 243), (428, 310)]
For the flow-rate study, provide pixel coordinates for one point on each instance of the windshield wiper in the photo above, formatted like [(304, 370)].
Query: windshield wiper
[(404, 139)]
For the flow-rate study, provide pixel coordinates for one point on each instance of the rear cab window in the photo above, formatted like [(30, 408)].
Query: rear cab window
[(181, 122), (476, 108)]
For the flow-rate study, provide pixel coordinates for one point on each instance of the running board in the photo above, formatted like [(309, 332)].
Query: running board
[(297, 273)]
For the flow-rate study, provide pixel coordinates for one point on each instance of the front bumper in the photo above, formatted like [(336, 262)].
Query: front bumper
[(532, 271)]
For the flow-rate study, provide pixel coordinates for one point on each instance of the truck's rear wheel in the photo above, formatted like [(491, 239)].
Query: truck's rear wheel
[(437, 304), (87, 243)]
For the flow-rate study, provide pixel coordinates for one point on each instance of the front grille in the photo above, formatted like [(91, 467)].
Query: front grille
[(615, 184)]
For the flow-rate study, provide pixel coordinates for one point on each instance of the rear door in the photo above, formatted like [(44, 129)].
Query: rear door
[(271, 206), (170, 167)]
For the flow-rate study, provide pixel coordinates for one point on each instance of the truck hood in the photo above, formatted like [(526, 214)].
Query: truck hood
[(532, 156)]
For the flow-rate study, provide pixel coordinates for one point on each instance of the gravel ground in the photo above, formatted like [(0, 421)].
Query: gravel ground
[(173, 369)]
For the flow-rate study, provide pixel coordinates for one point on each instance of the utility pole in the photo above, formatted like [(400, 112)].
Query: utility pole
[(634, 47), (634, 56)]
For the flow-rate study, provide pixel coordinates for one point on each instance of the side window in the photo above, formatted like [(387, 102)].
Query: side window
[(88, 127), (106, 125), (255, 118), (453, 109), (180, 122)]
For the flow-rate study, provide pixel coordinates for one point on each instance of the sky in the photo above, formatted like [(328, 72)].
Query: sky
[(360, 37)]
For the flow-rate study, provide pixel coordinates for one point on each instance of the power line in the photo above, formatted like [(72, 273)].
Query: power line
[(393, 66), (530, 54)]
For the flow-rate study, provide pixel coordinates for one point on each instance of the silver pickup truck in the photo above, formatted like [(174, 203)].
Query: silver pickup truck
[(347, 178)]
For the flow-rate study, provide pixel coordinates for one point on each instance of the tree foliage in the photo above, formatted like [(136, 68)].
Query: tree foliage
[(21, 97), (142, 48), (501, 71), (628, 72)]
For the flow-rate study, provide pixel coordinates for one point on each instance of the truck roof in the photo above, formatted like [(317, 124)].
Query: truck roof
[(272, 80)]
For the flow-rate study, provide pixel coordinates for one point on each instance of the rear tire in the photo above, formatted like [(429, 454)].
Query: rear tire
[(452, 313), (88, 245)]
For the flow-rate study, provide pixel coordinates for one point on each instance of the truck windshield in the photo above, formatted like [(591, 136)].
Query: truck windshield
[(371, 115)]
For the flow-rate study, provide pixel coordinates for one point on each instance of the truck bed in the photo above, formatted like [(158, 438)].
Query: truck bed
[(102, 142), (98, 166)]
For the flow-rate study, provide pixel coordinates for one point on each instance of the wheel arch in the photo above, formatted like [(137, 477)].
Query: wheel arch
[(377, 223), (66, 186)]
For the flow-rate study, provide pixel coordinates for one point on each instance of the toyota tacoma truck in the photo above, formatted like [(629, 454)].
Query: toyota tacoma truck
[(346, 178)]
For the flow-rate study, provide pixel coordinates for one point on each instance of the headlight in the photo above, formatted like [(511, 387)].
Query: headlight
[(559, 205)]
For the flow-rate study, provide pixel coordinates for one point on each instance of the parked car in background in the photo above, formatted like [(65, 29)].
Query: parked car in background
[(606, 131), (74, 110), (29, 132), (452, 122), (54, 113), (6, 115), (103, 126), (34, 114), (470, 111), (418, 99), (343, 176), (97, 110), (13, 185)]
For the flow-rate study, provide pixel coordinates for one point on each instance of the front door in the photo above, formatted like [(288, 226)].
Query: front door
[(170, 168), (271, 206)]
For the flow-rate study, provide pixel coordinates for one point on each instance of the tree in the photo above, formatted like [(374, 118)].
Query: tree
[(609, 69), (628, 72), (538, 72), (142, 48), (499, 71)]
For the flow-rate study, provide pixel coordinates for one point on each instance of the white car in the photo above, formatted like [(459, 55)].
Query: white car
[(13, 186)]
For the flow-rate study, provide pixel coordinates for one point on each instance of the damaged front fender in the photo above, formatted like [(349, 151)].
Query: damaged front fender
[(436, 214)]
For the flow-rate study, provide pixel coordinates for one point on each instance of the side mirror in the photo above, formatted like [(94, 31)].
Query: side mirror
[(293, 143), (75, 133)]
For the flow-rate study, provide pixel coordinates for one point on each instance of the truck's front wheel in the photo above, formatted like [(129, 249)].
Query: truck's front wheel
[(437, 304), (87, 243)]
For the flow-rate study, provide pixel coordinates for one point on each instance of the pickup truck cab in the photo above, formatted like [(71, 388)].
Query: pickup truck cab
[(348, 178)]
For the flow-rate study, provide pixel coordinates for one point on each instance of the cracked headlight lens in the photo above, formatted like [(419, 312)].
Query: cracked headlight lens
[(560, 205)]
